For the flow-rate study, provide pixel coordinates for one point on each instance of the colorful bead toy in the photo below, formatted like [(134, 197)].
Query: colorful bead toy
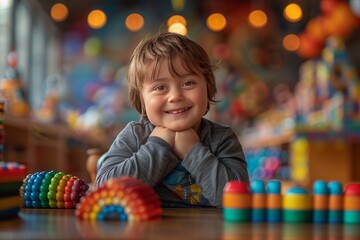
[(52, 190), (125, 198)]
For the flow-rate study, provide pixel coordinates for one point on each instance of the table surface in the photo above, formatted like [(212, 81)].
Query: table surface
[(176, 223)]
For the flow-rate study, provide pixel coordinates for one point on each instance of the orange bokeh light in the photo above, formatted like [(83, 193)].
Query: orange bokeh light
[(291, 42), (96, 19), (293, 12), (59, 12), (257, 18), (216, 22), (134, 22), (176, 19)]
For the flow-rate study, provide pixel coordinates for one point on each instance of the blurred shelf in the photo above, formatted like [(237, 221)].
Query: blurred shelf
[(45, 147), (252, 141)]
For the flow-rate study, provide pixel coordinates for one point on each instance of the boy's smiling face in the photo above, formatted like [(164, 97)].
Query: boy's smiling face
[(175, 101)]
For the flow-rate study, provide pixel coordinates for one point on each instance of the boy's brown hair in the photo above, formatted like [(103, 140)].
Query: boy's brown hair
[(167, 46)]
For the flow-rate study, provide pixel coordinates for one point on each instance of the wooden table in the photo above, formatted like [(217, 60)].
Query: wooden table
[(175, 224)]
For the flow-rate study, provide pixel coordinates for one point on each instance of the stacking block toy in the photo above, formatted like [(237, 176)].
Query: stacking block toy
[(52, 190), (335, 202), (320, 202), (258, 201), (274, 201), (328, 203), (297, 205), (352, 203), (237, 201), (125, 198), (11, 175)]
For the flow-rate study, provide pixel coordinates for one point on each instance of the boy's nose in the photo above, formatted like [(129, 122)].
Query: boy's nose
[(175, 95)]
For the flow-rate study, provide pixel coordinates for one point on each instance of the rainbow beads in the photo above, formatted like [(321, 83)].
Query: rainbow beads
[(125, 198), (52, 190)]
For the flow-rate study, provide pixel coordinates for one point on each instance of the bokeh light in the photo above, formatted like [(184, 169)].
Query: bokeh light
[(293, 12), (178, 28), (59, 12), (176, 19), (257, 18), (134, 22), (92, 47), (216, 22), (291, 42), (96, 19)]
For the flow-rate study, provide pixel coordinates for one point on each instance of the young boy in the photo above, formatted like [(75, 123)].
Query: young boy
[(186, 158)]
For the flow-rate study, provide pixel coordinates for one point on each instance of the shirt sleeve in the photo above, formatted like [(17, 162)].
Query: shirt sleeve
[(213, 169), (148, 159)]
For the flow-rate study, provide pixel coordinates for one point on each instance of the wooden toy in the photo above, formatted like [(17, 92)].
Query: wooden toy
[(258, 201), (125, 198), (297, 205), (320, 202), (335, 202), (352, 203), (274, 201), (328, 203), (237, 201), (52, 190), (11, 175)]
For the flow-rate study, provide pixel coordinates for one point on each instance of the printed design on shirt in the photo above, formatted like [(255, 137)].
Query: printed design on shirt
[(183, 184)]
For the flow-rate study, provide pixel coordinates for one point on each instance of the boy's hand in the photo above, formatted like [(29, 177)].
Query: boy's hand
[(164, 133), (184, 141)]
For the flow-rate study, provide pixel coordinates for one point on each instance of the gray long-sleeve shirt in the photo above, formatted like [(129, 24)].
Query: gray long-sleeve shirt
[(212, 162)]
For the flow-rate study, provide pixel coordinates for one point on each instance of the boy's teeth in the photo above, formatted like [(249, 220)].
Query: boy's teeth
[(177, 111)]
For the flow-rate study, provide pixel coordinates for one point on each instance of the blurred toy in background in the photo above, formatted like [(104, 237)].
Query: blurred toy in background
[(108, 110), (328, 93), (56, 94), (12, 90)]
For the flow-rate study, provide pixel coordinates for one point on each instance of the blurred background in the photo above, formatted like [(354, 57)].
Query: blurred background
[(288, 82)]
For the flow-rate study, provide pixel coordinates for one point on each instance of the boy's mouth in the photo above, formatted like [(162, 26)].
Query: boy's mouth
[(177, 111)]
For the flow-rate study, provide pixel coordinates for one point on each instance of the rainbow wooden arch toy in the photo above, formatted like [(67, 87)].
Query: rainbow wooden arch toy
[(125, 199)]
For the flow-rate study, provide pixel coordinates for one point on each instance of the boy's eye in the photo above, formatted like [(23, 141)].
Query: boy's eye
[(189, 83), (159, 88)]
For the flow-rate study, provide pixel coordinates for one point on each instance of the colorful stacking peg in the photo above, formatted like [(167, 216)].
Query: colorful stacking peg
[(126, 199), (258, 201), (237, 201), (335, 202), (297, 205), (351, 207), (320, 202), (274, 201)]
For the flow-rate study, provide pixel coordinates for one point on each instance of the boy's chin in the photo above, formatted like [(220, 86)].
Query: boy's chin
[(178, 128)]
